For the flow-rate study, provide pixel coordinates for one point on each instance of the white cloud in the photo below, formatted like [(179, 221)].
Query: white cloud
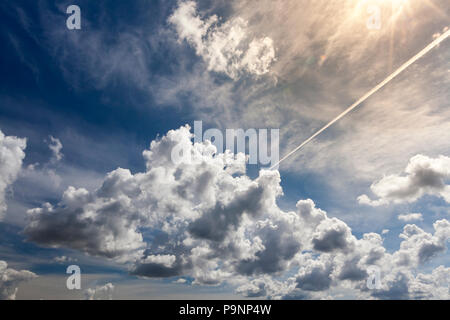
[(365, 145), (410, 217), (226, 47), (11, 157), (10, 279), (332, 234), (423, 176), (64, 259), (104, 227), (209, 221), (419, 246), (166, 260), (56, 146), (265, 286), (406, 285), (104, 292), (180, 281)]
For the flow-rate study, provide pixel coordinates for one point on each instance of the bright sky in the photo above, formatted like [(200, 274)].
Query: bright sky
[(89, 119)]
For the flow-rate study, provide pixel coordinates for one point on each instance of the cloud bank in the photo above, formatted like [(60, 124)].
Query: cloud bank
[(209, 222)]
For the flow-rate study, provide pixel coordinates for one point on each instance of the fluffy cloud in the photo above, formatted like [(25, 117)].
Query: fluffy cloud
[(207, 220), (104, 292), (227, 47), (64, 259), (406, 285), (10, 279), (420, 246), (11, 156), (410, 217), (432, 286), (423, 175), (98, 226)]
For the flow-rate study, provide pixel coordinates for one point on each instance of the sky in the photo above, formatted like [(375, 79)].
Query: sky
[(90, 118)]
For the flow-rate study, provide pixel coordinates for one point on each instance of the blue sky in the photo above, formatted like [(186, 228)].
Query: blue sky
[(136, 70)]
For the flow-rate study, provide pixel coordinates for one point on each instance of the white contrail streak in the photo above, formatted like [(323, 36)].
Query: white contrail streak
[(368, 94)]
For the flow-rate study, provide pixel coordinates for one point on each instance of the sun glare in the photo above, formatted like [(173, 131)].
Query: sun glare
[(396, 5)]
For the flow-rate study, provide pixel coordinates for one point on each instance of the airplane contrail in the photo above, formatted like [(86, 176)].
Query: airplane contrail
[(424, 51)]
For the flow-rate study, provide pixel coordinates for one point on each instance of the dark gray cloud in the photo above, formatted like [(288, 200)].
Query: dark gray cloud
[(216, 223), (279, 248), (423, 175), (104, 292)]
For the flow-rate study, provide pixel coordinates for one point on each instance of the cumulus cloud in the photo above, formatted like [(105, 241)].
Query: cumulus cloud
[(10, 279), (226, 47), (423, 176), (208, 221), (406, 285), (104, 292), (11, 157), (180, 281), (314, 276), (432, 286), (410, 217), (64, 259)]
